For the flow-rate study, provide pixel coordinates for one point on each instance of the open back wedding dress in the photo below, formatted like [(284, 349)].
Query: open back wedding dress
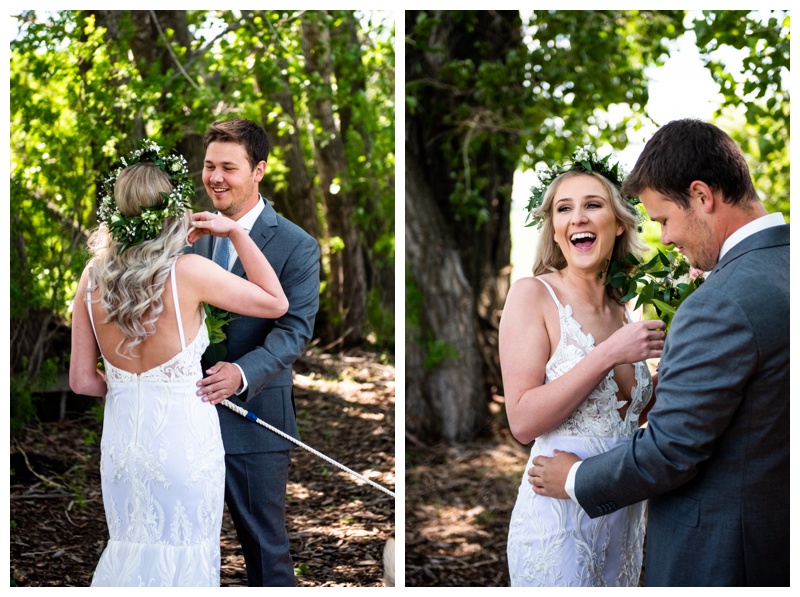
[(553, 542), (163, 473)]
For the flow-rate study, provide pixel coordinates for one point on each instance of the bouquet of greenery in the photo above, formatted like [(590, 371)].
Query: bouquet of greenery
[(216, 320), (664, 282)]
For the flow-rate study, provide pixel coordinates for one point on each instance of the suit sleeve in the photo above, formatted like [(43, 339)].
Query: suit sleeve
[(707, 361), (287, 340)]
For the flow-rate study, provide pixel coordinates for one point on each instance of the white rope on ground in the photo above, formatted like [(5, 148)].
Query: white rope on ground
[(250, 416)]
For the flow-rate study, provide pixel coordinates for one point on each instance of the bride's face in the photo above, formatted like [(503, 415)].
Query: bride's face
[(584, 222)]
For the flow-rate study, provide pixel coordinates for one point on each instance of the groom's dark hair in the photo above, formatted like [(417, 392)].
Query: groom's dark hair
[(683, 151), (244, 132)]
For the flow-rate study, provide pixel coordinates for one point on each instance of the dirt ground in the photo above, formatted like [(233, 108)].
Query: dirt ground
[(458, 505), (459, 501), (338, 525)]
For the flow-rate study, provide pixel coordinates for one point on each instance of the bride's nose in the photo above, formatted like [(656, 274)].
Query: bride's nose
[(578, 216)]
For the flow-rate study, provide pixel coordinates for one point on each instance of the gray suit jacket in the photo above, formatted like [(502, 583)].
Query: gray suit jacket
[(265, 349), (714, 457)]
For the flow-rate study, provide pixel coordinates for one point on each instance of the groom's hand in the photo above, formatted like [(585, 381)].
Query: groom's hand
[(549, 475), (223, 380)]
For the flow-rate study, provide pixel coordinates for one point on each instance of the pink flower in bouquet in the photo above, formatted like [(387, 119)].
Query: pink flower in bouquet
[(695, 273)]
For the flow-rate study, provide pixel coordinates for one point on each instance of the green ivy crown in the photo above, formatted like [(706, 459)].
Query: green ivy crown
[(148, 224), (584, 159)]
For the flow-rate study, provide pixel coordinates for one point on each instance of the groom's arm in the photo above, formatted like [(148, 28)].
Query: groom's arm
[(291, 333), (710, 354)]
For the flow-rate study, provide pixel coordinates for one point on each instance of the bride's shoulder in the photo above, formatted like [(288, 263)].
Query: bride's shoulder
[(191, 267), (191, 262), (528, 287), (83, 282), (528, 294)]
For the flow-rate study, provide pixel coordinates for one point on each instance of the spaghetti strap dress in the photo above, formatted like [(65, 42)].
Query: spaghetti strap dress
[(162, 469), (553, 542)]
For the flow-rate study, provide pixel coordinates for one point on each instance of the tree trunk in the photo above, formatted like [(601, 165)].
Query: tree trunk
[(347, 281), (461, 153), (445, 393), (352, 100), (297, 203)]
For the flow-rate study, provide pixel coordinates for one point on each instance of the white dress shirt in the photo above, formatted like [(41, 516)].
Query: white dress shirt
[(247, 221)]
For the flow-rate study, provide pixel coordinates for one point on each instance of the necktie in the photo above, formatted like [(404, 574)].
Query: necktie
[(222, 252)]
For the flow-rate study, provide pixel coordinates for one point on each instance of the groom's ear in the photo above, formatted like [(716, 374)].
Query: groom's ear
[(702, 196), (258, 172)]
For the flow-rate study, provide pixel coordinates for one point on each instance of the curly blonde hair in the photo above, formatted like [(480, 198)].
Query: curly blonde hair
[(549, 257), (129, 283)]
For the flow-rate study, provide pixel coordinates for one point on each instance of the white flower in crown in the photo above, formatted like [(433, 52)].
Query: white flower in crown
[(147, 225), (584, 153)]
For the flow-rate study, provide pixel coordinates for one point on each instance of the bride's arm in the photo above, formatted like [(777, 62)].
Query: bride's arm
[(533, 407), (84, 376), (260, 295)]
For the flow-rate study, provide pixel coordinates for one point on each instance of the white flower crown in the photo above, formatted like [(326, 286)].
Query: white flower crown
[(584, 159), (148, 224)]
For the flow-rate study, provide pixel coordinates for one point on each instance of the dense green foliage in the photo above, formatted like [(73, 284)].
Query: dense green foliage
[(756, 110), (87, 86)]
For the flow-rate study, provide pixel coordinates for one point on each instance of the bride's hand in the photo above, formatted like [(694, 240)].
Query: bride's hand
[(636, 341), (205, 222)]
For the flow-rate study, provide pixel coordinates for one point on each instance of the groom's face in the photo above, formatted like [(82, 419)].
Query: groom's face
[(230, 181), (687, 229)]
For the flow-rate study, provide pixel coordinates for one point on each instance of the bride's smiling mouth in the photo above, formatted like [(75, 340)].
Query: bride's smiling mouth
[(583, 241)]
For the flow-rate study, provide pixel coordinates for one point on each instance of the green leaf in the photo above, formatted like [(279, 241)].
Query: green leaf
[(664, 307)]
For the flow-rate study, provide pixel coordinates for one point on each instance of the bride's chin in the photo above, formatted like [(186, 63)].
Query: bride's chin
[(582, 257)]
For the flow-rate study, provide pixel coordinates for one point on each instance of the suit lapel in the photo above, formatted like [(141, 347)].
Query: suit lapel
[(262, 232), (204, 246), (773, 236)]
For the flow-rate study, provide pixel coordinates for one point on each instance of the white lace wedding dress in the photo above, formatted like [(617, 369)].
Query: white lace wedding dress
[(553, 542), (163, 474)]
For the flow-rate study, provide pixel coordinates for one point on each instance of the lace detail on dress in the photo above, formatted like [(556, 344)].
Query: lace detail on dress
[(598, 415), (182, 367)]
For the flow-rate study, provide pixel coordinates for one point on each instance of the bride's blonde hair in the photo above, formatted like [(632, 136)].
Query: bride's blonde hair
[(549, 257), (129, 283)]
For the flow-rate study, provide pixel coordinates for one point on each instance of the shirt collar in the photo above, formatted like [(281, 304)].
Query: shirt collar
[(248, 220), (757, 225)]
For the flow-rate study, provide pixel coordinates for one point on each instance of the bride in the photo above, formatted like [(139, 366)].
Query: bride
[(139, 305), (574, 376)]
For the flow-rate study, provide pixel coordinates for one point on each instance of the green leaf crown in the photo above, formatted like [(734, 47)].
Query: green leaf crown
[(584, 159), (148, 224)]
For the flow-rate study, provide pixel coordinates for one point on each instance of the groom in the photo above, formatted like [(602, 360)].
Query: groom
[(258, 372), (713, 459)]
